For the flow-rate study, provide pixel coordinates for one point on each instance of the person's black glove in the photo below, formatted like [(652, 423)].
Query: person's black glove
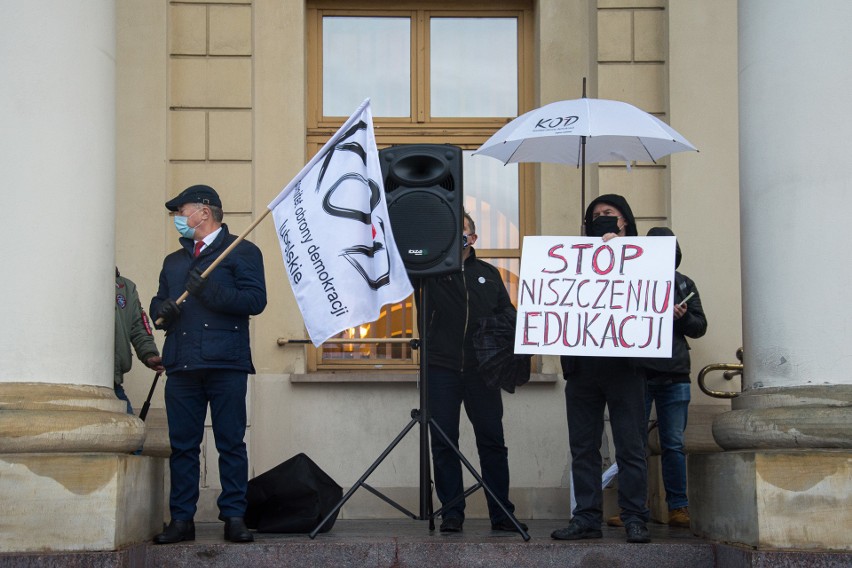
[(169, 311), (195, 283)]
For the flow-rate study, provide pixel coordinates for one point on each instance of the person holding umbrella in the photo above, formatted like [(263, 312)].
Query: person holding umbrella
[(591, 385)]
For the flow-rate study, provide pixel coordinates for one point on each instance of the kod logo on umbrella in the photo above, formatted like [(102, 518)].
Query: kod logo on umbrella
[(556, 122)]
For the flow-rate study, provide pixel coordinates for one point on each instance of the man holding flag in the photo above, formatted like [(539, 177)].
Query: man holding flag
[(207, 357)]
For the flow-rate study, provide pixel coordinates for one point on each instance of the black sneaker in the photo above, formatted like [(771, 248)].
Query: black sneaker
[(507, 525), (452, 524), (637, 532), (576, 531)]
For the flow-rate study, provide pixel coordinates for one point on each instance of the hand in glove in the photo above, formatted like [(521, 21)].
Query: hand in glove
[(169, 311), (195, 283)]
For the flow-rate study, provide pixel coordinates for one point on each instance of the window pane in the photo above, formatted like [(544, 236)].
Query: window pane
[(474, 67), (395, 321), (491, 197), (366, 57), (509, 269)]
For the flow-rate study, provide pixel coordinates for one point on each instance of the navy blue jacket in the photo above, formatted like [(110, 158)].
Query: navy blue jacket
[(212, 331)]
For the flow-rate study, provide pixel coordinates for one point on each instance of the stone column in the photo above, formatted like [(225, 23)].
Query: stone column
[(786, 479), (67, 479)]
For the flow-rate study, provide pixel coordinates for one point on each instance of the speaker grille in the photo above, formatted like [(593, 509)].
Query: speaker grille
[(424, 227), (423, 186)]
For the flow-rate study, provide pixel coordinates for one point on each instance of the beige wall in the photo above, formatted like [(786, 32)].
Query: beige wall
[(215, 92), (705, 210)]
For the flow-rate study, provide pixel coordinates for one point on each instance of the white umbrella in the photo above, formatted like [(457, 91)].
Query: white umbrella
[(582, 131)]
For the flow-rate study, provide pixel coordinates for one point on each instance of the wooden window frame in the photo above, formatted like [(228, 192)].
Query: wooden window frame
[(419, 127)]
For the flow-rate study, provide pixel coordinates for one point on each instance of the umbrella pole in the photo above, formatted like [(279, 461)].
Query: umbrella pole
[(583, 176), (582, 185)]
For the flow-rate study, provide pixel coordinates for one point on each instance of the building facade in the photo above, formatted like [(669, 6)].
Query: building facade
[(239, 94)]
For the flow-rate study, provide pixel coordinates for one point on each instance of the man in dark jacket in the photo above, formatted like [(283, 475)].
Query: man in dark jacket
[(455, 303), (668, 388), (207, 358), (591, 385)]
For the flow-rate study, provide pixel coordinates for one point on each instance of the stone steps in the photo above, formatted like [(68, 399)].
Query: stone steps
[(402, 543)]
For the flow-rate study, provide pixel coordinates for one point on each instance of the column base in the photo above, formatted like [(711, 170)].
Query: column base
[(79, 501), (773, 499)]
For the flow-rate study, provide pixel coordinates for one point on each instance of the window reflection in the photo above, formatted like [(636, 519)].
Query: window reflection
[(509, 269), (395, 321), (474, 67), (491, 198), (366, 57)]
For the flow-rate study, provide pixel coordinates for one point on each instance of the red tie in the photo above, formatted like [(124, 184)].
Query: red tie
[(198, 246)]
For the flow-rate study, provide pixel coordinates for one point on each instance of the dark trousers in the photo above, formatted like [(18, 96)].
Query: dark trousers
[(448, 390), (601, 382), (187, 397)]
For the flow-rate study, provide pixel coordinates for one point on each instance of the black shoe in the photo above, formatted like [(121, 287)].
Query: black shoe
[(236, 530), (576, 531), (177, 531), (507, 525), (637, 532), (452, 524)]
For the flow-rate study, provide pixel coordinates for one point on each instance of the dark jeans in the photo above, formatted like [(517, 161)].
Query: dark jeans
[(187, 397), (672, 402), (602, 382), (448, 390)]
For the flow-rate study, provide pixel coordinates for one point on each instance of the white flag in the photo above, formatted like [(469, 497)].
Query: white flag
[(335, 234)]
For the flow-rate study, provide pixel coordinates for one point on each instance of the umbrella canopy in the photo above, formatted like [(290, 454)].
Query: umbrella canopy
[(584, 131)]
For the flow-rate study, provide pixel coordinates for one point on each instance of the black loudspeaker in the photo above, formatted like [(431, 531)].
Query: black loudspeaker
[(423, 189)]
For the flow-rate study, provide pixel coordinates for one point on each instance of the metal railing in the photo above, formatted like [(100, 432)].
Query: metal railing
[(731, 370), (285, 341)]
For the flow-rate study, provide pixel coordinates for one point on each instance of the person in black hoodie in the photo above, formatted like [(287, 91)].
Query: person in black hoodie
[(591, 385), (455, 304), (668, 388)]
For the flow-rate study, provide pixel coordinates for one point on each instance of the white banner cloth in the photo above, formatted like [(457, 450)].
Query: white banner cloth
[(335, 234)]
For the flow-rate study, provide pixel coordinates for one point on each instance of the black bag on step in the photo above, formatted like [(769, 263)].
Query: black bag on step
[(293, 497)]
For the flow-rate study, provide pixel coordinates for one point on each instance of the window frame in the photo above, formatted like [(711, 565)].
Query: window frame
[(419, 127)]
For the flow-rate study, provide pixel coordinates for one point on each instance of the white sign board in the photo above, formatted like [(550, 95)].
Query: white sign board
[(584, 296)]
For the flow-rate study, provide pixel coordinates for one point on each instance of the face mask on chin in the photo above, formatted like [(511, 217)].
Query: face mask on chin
[(603, 225)]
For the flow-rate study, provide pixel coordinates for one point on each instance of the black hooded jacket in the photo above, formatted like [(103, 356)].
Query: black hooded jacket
[(693, 324), (619, 203), (570, 363), (456, 302)]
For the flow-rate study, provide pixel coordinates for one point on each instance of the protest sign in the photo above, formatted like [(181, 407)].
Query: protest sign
[(584, 296)]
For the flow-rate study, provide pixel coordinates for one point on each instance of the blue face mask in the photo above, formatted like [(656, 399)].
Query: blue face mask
[(182, 225)]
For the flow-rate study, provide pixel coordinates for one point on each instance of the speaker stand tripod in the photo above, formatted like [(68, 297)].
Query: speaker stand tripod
[(423, 418)]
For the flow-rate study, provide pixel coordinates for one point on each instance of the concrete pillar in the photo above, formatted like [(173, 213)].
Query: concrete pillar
[(789, 435), (67, 481)]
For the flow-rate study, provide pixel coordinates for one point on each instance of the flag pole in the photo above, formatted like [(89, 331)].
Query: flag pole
[(287, 189), (221, 257)]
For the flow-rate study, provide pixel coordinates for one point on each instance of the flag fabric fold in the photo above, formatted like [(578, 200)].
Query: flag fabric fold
[(335, 234)]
